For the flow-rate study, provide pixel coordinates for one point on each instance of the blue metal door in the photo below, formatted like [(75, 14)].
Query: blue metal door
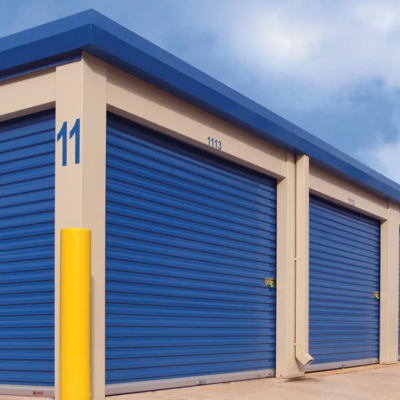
[(27, 251), (190, 239), (344, 274)]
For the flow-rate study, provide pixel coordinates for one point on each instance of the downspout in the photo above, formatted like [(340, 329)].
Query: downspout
[(302, 261)]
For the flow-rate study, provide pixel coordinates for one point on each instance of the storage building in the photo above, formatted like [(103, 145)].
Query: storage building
[(227, 243)]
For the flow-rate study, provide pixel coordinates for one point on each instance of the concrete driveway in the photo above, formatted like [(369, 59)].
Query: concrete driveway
[(363, 383)]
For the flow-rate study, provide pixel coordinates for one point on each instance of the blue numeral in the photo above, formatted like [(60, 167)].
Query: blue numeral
[(76, 130), (63, 134)]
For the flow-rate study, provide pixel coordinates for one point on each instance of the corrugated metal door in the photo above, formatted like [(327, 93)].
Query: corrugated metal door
[(190, 239), (344, 274), (27, 251)]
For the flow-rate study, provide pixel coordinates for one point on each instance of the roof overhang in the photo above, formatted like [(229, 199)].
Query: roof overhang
[(64, 40)]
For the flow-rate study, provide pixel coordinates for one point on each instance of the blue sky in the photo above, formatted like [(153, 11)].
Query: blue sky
[(331, 67)]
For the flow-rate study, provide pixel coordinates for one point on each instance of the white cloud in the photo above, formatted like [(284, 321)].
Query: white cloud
[(380, 15), (311, 50), (321, 44)]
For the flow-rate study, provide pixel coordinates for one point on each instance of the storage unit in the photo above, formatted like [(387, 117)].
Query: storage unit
[(344, 275), (27, 251), (209, 261), (190, 239)]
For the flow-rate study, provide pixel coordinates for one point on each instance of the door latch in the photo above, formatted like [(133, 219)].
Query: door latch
[(376, 295), (270, 282)]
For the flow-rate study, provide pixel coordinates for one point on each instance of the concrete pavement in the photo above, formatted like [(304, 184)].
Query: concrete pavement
[(363, 383)]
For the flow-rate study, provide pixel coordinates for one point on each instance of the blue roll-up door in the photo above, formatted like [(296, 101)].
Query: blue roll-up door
[(190, 239), (27, 155), (344, 274)]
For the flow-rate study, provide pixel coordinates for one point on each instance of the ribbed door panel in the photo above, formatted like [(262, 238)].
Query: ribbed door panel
[(344, 274), (27, 156), (190, 239)]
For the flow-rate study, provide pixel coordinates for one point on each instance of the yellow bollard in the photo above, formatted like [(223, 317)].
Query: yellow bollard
[(75, 314)]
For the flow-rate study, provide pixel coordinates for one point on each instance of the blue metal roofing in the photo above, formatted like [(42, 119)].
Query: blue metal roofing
[(63, 40)]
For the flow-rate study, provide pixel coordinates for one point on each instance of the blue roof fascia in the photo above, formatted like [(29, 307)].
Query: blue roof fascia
[(47, 45), (109, 41), (34, 66)]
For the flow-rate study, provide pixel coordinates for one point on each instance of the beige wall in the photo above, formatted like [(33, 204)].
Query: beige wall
[(389, 298), (27, 94), (345, 193), (139, 101)]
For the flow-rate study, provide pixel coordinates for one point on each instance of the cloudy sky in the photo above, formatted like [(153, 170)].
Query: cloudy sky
[(331, 67)]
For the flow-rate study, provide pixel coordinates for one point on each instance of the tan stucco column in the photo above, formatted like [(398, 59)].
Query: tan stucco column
[(286, 364), (302, 260), (80, 190), (389, 292)]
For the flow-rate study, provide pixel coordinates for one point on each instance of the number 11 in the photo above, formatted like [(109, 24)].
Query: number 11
[(75, 131)]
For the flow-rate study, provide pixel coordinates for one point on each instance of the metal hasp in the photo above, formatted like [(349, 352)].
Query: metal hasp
[(270, 282)]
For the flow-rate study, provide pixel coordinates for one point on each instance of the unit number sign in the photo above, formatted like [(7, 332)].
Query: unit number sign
[(352, 202), (62, 135), (217, 144)]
